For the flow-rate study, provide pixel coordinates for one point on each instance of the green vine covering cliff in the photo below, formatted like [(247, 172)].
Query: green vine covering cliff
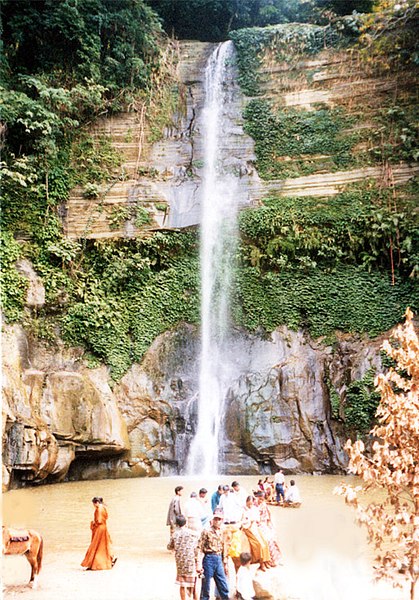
[(299, 134), (303, 38), (128, 293)]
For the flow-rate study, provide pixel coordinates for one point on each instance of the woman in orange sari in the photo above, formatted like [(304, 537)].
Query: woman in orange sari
[(99, 554)]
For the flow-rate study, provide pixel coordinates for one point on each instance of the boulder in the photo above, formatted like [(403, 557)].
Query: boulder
[(50, 417)]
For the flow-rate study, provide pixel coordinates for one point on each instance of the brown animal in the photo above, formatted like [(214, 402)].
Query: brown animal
[(27, 542)]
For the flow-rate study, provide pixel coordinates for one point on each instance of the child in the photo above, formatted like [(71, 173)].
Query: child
[(245, 589)]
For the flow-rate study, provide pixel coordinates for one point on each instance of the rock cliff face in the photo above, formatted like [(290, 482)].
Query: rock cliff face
[(54, 411), (61, 420), (164, 178)]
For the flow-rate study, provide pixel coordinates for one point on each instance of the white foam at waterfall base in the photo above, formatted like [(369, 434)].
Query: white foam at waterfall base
[(217, 258)]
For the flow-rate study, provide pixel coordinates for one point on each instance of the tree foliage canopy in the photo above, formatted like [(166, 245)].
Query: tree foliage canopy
[(212, 20), (108, 41), (389, 34)]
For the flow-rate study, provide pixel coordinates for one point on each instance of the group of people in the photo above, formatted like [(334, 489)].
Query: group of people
[(277, 491), (205, 532)]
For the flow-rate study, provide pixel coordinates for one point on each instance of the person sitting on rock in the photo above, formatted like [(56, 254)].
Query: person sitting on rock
[(244, 587)]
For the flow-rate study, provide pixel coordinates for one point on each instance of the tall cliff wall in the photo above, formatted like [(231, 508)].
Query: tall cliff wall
[(158, 183), (161, 177)]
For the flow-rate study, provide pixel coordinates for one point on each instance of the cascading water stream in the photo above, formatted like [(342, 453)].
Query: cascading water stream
[(217, 258)]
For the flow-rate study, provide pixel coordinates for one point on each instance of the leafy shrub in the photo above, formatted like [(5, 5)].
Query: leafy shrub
[(361, 403), (358, 226), (13, 284)]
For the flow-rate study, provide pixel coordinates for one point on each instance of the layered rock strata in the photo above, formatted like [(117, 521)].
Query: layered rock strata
[(164, 178)]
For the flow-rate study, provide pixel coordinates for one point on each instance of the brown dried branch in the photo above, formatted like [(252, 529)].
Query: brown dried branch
[(393, 463)]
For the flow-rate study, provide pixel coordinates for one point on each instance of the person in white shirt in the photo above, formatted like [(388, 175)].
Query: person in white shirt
[(240, 495), (228, 504), (279, 481), (292, 495), (206, 508), (244, 587), (193, 512)]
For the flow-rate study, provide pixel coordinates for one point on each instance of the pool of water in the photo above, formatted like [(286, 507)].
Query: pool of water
[(324, 550)]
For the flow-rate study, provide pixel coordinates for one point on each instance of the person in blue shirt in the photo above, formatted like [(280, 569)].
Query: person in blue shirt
[(215, 498)]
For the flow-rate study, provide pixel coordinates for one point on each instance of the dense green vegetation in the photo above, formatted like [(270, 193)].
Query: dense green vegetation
[(346, 298), (389, 37), (127, 293), (361, 403), (301, 135), (307, 262), (111, 42), (212, 20), (64, 63), (13, 285), (357, 227)]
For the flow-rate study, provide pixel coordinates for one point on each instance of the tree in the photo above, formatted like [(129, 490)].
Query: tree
[(111, 42), (212, 20), (393, 465), (389, 34)]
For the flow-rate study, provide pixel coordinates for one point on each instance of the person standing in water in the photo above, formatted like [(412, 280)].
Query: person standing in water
[(185, 544), (99, 555), (174, 509), (279, 481)]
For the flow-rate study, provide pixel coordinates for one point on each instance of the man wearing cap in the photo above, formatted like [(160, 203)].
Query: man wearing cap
[(212, 558)]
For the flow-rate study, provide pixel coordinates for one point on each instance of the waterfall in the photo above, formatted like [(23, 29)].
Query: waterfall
[(217, 260)]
